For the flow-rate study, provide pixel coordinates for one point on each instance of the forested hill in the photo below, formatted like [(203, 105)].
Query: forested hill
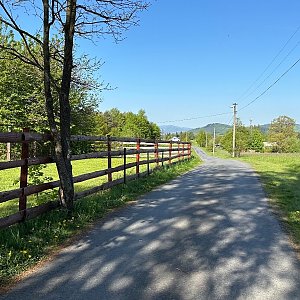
[(220, 128), (209, 128)]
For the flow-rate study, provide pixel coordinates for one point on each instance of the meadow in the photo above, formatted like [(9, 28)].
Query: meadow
[(25, 244), (280, 176), (10, 180)]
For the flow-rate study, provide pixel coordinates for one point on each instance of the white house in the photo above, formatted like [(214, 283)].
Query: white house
[(175, 139)]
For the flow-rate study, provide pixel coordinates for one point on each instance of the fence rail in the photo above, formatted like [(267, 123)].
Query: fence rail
[(145, 151)]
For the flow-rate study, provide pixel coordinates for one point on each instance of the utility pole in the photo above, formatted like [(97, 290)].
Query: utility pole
[(251, 134), (206, 141), (234, 129), (214, 141)]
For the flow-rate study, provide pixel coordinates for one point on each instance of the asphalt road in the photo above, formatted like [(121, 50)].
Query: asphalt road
[(206, 235)]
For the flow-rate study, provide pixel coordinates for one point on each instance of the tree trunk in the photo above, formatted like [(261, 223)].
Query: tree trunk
[(64, 169), (63, 147), (61, 134)]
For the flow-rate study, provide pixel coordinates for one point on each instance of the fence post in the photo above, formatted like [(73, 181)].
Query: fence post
[(109, 175), (148, 164), (124, 159), (182, 151), (170, 153), (178, 151), (24, 172), (189, 151), (8, 147), (137, 157), (162, 159), (156, 152)]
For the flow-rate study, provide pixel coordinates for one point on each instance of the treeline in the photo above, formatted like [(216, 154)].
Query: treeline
[(280, 137), (86, 121), (22, 105), (22, 102)]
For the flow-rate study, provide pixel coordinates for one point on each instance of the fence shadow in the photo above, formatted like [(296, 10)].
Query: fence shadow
[(205, 235)]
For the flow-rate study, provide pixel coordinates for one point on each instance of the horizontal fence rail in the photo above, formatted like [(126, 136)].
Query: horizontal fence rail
[(142, 151)]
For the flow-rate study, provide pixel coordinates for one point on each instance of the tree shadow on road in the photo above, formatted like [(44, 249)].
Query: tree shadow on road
[(206, 235)]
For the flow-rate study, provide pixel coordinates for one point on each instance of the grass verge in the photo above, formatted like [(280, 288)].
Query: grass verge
[(24, 245), (280, 175), (219, 152)]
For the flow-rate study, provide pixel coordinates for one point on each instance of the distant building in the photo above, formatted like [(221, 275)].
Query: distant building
[(269, 145), (175, 139)]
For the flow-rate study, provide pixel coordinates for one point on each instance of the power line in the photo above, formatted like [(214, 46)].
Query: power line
[(279, 78), (255, 99), (244, 95), (194, 118), (272, 72), (268, 66)]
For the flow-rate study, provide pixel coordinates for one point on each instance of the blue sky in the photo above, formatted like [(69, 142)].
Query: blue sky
[(190, 59)]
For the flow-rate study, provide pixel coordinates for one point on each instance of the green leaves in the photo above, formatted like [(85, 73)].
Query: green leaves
[(246, 139), (127, 124), (282, 133), (201, 138)]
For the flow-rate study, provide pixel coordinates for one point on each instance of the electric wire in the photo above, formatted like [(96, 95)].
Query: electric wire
[(194, 118), (275, 69), (267, 89), (243, 96)]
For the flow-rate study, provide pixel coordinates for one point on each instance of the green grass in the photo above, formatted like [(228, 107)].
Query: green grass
[(23, 245), (8, 177), (280, 175), (219, 152)]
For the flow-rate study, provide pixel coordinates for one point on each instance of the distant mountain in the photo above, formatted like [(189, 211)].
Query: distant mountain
[(209, 128), (173, 129)]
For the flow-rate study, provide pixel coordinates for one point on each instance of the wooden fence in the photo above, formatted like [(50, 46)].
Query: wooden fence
[(153, 151)]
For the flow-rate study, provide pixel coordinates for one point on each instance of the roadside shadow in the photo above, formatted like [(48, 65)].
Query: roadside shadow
[(206, 235), (285, 188)]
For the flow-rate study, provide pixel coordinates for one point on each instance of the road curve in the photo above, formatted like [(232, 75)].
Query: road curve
[(209, 234)]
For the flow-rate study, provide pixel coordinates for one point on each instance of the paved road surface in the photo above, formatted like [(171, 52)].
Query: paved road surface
[(206, 235)]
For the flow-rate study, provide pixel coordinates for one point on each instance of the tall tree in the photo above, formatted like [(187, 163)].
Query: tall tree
[(201, 137), (255, 139), (21, 95), (282, 132), (68, 19), (241, 141)]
